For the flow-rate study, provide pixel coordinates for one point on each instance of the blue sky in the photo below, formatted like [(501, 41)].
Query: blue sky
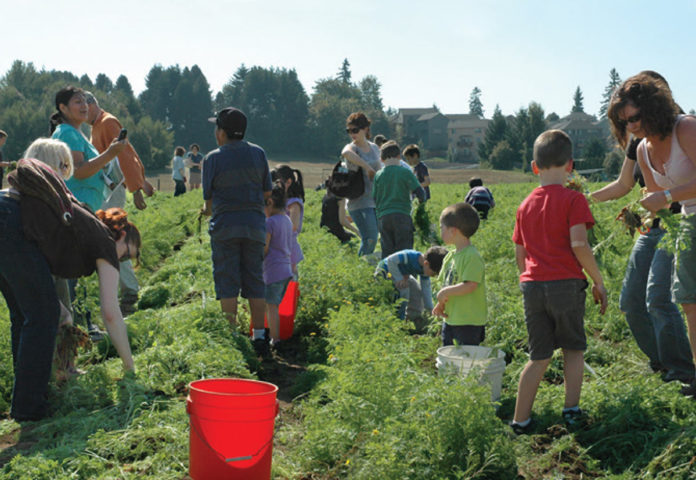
[(433, 52)]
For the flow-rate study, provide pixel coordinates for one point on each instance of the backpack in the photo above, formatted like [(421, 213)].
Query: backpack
[(346, 183)]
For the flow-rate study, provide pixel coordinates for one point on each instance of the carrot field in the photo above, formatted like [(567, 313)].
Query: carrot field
[(360, 394)]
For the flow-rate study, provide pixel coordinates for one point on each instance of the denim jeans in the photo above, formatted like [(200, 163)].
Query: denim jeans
[(366, 221), (653, 318), (27, 285)]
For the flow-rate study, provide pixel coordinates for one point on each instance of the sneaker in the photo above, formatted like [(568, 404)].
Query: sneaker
[(261, 347), (95, 334), (573, 418), (689, 390), (522, 430)]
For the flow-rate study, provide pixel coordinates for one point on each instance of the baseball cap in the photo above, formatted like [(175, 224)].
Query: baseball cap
[(231, 120)]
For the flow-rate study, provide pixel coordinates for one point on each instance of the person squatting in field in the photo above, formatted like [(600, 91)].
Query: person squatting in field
[(401, 266)]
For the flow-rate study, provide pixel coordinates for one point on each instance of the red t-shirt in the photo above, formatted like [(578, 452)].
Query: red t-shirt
[(542, 226)]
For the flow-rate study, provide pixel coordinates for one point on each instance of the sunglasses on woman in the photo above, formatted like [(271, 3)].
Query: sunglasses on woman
[(632, 119), (352, 130)]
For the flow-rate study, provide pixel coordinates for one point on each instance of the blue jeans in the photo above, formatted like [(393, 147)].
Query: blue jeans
[(654, 320), (27, 285), (366, 221)]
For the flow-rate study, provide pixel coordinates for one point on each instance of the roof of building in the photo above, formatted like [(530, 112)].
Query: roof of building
[(577, 121)]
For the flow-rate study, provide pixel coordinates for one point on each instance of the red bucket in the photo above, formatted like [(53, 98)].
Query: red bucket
[(286, 311), (231, 434)]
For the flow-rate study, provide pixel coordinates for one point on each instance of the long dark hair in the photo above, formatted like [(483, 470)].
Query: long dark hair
[(285, 172), (62, 98)]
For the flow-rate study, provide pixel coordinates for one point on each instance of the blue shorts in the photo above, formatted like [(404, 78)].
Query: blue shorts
[(275, 291), (554, 312), (238, 266)]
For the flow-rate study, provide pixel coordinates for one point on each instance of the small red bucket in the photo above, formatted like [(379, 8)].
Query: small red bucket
[(286, 311), (231, 434)]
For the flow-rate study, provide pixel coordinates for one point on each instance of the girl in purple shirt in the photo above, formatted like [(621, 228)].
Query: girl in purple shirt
[(291, 178), (277, 268)]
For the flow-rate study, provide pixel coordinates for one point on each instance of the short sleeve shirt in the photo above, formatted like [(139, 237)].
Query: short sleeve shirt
[(407, 262), (196, 160), (392, 190), (276, 263), (465, 265), (542, 226), (372, 159), (89, 190), (177, 166), (235, 177)]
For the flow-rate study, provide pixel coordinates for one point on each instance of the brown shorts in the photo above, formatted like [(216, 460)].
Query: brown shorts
[(554, 313)]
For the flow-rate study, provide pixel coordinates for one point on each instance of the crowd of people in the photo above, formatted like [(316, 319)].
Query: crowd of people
[(63, 218)]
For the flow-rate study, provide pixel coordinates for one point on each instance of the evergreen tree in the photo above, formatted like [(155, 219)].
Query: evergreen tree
[(577, 101), (160, 85), (614, 83), (86, 82), (370, 88), (123, 85), (475, 105), (103, 83), (344, 74), (495, 132)]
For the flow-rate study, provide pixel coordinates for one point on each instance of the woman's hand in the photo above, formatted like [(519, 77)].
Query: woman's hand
[(117, 147), (654, 201)]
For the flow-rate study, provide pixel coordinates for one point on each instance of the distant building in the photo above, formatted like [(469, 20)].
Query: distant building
[(581, 128), (466, 132), (426, 126)]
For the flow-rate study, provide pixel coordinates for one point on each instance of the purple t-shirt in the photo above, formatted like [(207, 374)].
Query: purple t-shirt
[(276, 264), (296, 255)]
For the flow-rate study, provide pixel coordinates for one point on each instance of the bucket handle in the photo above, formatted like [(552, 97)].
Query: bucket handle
[(221, 457)]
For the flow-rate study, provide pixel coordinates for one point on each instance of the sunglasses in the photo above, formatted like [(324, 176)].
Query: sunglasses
[(633, 119), (353, 130)]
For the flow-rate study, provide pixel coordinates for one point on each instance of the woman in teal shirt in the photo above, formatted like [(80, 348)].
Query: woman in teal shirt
[(86, 183)]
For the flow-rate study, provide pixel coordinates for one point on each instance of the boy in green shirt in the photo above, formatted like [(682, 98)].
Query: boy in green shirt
[(392, 193), (462, 299)]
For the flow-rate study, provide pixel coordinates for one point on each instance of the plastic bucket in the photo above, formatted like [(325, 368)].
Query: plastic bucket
[(486, 363), (286, 311), (231, 434)]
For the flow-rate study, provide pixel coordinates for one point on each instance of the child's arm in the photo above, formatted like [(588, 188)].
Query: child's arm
[(393, 261), (463, 288), (295, 214), (520, 255), (583, 252), (268, 244), (420, 193)]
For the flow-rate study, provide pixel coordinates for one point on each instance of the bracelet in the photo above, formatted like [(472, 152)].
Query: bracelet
[(668, 196)]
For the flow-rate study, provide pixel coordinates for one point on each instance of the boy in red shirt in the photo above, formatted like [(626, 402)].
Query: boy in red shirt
[(551, 250)]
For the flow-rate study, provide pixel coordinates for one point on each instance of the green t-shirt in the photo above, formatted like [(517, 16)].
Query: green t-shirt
[(465, 266), (392, 190), (89, 190)]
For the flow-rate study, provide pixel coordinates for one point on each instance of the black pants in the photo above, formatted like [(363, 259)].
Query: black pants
[(180, 187)]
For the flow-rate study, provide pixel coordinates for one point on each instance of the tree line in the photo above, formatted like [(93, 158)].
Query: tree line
[(176, 103)]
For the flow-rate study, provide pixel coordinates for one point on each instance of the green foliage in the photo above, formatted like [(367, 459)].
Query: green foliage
[(594, 153), (614, 82), (577, 102), (475, 105)]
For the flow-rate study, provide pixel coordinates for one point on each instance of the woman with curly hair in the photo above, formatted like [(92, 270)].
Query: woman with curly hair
[(655, 321), (643, 107)]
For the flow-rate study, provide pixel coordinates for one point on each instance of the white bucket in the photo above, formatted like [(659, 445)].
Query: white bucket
[(464, 360)]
